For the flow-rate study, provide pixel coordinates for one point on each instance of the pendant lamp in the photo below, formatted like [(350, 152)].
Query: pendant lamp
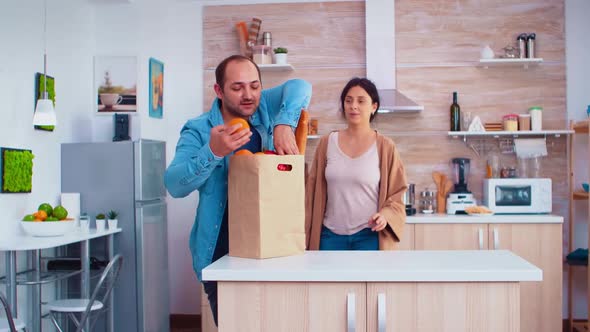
[(44, 112)]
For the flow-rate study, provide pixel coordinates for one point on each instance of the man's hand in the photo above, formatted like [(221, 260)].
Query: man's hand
[(377, 222), (223, 142), (284, 140)]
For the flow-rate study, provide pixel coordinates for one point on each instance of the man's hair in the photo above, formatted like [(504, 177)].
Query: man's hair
[(220, 70)]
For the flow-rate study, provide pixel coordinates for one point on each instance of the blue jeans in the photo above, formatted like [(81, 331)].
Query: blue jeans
[(364, 239)]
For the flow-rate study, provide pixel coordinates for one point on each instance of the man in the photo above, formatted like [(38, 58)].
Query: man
[(206, 142)]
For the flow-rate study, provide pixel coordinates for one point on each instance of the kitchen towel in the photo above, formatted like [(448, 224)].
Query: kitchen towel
[(530, 147)]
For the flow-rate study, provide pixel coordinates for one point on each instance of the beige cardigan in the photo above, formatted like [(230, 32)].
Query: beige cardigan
[(392, 187)]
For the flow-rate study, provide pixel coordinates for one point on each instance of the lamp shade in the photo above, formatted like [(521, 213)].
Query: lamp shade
[(44, 113)]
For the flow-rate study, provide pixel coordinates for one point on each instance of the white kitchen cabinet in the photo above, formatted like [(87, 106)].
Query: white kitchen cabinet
[(371, 307), (292, 306), (539, 244), (451, 236), (443, 307)]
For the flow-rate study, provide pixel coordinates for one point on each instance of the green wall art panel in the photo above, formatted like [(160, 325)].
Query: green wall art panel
[(17, 170)]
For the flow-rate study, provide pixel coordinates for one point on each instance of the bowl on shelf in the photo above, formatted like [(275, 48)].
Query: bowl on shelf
[(47, 228), (585, 186)]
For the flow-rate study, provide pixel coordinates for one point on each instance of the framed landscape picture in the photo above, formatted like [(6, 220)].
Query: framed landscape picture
[(156, 101), (115, 81)]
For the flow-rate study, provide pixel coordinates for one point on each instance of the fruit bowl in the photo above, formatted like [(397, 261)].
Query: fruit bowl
[(48, 228)]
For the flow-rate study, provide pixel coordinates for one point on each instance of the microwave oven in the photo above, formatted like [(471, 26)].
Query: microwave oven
[(518, 195)]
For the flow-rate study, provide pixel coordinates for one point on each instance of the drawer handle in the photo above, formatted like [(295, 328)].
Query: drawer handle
[(351, 312), (381, 313), (480, 235), (496, 239)]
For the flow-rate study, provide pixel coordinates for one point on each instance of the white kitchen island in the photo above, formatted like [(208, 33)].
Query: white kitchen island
[(373, 291)]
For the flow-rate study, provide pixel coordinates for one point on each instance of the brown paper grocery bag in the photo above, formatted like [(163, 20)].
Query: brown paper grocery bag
[(266, 197)]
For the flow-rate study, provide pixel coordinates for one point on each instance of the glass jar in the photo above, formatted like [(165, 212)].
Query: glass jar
[(261, 54), (524, 122), (510, 122), (536, 113), (427, 201)]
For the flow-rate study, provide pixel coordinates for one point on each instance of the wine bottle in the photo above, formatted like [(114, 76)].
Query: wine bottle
[(455, 114)]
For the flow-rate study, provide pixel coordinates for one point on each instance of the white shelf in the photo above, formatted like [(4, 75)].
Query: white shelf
[(464, 134), (313, 136), (510, 62), (275, 67)]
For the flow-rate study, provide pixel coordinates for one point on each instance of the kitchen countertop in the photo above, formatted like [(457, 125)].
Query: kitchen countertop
[(493, 219), (379, 266), (26, 242)]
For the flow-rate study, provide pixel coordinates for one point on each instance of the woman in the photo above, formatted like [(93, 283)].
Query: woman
[(356, 182)]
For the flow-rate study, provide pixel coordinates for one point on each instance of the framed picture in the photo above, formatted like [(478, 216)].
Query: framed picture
[(39, 89), (16, 166), (115, 81), (156, 101)]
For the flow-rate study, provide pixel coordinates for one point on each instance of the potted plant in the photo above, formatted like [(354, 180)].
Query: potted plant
[(280, 55), (112, 221), (100, 222)]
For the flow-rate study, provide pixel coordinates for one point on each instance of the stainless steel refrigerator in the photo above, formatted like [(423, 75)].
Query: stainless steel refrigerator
[(127, 177)]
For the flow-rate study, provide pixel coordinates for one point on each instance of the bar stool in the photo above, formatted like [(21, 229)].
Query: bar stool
[(94, 306), (9, 324)]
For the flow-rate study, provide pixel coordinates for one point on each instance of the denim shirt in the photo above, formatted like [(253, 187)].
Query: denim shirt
[(195, 167)]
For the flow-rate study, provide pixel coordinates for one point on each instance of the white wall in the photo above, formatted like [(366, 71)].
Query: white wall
[(578, 98), (170, 32), (69, 60)]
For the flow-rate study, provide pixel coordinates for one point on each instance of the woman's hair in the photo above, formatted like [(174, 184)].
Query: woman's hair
[(366, 85)]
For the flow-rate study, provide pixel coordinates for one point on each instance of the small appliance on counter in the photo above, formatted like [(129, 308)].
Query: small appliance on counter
[(518, 195), (461, 197), (409, 200)]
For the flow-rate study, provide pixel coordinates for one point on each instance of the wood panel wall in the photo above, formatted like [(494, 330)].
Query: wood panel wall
[(437, 50)]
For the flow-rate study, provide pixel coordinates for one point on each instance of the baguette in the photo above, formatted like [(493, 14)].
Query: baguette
[(301, 132)]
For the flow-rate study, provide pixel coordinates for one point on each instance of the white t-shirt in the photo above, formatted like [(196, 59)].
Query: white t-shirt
[(353, 188)]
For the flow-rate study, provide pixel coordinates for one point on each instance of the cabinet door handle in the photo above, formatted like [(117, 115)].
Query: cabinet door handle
[(351, 312), (381, 313), (496, 239), (480, 235)]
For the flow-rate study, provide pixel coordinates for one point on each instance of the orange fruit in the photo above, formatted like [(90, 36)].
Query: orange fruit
[(243, 152), (40, 215), (262, 153), (241, 121)]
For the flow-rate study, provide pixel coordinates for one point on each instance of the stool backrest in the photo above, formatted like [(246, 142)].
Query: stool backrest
[(103, 289), (9, 318)]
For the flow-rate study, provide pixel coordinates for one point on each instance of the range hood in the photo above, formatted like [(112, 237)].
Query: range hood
[(380, 56)]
